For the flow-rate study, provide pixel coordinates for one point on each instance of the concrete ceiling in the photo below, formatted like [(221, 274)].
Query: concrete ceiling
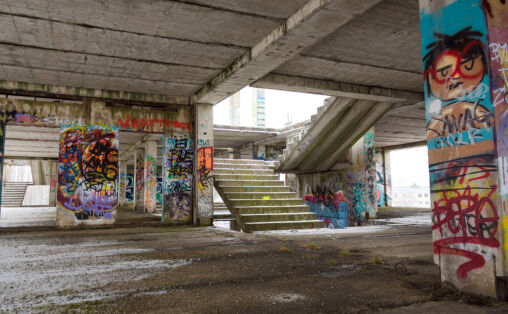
[(187, 51), (204, 50)]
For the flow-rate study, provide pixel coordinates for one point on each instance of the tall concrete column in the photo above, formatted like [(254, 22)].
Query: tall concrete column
[(384, 178), (139, 179), (362, 190), (260, 152), (53, 182), (204, 164), (466, 110), (150, 176), (2, 150), (122, 198)]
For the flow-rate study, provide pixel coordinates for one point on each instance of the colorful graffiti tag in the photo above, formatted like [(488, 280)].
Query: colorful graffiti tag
[(88, 171), (150, 183), (177, 176), (205, 167), (329, 206), (129, 188), (460, 137)]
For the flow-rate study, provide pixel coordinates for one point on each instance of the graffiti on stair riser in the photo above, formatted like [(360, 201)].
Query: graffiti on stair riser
[(88, 171), (178, 162), (329, 206), (461, 114)]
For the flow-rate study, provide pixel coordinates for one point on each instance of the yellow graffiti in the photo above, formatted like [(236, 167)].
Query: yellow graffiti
[(504, 227)]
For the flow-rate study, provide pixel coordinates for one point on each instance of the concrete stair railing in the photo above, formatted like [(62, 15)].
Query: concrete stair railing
[(257, 199)]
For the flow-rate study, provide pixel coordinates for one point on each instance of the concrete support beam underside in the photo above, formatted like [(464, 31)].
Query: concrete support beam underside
[(311, 23)]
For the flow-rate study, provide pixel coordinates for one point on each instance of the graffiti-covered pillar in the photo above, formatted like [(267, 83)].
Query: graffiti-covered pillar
[(150, 177), (122, 198), (204, 164), (465, 95), (383, 178), (362, 190), (87, 175), (139, 179), (259, 152)]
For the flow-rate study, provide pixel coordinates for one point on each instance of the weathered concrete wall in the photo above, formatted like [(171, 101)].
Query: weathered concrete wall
[(342, 198), (204, 164), (462, 109), (362, 190)]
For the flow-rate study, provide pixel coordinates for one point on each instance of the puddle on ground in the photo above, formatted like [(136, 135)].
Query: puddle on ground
[(286, 298), (338, 271)]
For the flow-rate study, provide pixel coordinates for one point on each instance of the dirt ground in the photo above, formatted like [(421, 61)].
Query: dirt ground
[(386, 267)]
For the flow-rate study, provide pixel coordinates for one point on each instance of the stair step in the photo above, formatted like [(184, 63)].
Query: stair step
[(241, 210), (239, 161), (243, 171), (272, 202), (247, 183), (283, 225), (246, 177), (260, 195), (243, 166), (247, 218), (230, 189)]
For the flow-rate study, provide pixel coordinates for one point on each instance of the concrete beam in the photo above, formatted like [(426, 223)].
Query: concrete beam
[(78, 93), (332, 88), (312, 22)]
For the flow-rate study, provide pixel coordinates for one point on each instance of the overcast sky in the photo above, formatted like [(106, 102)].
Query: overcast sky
[(280, 106)]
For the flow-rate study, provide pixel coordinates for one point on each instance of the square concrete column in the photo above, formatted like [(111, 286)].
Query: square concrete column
[(53, 182), (362, 190), (259, 152), (2, 149), (150, 176), (87, 190), (178, 178), (123, 183), (467, 117), (204, 164), (139, 179), (383, 178)]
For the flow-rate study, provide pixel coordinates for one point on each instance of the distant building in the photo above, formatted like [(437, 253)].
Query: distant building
[(415, 196)]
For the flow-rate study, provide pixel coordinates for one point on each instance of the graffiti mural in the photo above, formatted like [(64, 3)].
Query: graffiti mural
[(205, 167), (150, 183), (88, 171), (329, 206), (370, 172), (460, 136), (149, 124), (139, 182), (159, 190), (129, 188), (498, 48), (177, 178)]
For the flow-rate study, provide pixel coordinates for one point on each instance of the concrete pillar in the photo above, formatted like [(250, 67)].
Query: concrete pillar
[(122, 198), (2, 149), (139, 179), (384, 178), (466, 112), (150, 177), (87, 175), (362, 190), (53, 182), (178, 178), (204, 164), (260, 152)]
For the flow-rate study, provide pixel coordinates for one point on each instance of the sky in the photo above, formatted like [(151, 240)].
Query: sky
[(410, 166), (280, 106)]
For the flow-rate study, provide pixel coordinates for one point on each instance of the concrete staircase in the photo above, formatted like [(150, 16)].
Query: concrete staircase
[(13, 194), (257, 199)]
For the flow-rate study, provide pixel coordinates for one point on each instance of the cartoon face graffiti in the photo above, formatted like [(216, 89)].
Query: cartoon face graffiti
[(455, 65)]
